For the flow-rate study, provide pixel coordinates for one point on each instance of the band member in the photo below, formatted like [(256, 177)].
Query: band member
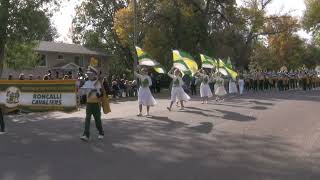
[(205, 90), (145, 97), (177, 92), (2, 125), (93, 90)]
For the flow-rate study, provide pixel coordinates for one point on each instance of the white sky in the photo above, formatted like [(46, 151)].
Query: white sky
[(63, 19)]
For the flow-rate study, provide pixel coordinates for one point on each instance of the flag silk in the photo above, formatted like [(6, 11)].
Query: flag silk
[(184, 62), (208, 62), (159, 69), (145, 60), (225, 68)]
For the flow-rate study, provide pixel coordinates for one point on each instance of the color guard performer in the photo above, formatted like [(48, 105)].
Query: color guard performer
[(177, 92), (205, 90), (145, 97), (220, 90)]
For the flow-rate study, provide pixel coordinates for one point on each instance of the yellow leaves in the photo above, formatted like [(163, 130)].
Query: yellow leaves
[(123, 24), (94, 62)]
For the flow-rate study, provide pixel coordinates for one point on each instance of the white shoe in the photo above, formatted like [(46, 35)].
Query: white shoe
[(84, 138), (100, 137), (2, 133), (139, 115)]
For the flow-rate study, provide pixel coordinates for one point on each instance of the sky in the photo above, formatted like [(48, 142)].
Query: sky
[(63, 19)]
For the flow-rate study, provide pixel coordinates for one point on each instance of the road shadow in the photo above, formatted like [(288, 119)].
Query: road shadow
[(234, 116), (42, 146), (205, 127)]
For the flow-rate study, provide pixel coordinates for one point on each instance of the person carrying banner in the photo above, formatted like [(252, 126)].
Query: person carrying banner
[(93, 90), (177, 92), (145, 97), (2, 125)]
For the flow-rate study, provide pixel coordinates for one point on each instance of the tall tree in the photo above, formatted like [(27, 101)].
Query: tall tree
[(23, 21), (311, 19)]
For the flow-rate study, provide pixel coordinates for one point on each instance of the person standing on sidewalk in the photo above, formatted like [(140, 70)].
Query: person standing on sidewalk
[(2, 125), (93, 90)]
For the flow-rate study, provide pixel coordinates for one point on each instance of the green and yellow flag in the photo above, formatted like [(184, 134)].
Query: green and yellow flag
[(184, 62), (145, 60), (227, 68), (208, 62)]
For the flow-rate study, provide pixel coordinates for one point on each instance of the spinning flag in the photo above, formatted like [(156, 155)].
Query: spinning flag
[(208, 62), (145, 60), (184, 62), (226, 69)]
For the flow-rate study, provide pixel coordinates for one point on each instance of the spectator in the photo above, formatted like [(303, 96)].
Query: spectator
[(21, 76), (2, 124), (10, 77), (128, 88), (193, 86), (66, 77), (49, 75), (134, 88), (70, 75), (46, 77), (39, 78), (158, 84), (115, 89), (122, 88), (153, 80), (57, 75), (30, 77), (106, 86)]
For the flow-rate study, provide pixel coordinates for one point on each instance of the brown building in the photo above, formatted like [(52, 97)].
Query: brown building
[(62, 58)]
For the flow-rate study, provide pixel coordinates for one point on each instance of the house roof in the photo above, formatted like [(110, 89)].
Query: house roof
[(46, 46)]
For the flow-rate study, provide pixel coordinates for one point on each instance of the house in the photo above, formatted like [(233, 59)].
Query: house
[(61, 58)]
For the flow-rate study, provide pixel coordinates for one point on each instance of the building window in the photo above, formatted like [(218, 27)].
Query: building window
[(78, 60), (60, 57), (42, 60)]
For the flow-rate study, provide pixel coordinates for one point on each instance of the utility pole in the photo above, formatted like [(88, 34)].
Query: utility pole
[(135, 37)]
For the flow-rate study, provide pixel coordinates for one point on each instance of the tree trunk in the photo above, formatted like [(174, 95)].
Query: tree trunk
[(4, 18)]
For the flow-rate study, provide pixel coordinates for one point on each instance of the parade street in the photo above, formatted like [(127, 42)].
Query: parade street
[(263, 136)]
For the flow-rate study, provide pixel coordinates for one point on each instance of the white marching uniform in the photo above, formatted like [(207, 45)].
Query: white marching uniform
[(219, 87), (177, 92), (233, 87), (205, 90), (144, 94)]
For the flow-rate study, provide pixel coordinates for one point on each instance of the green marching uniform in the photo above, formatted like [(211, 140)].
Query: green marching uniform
[(92, 88), (2, 125)]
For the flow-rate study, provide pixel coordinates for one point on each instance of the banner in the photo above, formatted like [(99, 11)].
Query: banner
[(38, 95)]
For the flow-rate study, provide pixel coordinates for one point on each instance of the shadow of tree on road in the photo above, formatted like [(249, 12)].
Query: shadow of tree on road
[(146, 149)]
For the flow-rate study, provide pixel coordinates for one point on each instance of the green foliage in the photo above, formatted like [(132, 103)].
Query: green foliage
[(21, 56), (219, 29), (22, 22)]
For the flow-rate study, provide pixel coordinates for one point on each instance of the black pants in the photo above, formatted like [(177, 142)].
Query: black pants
[(2, 125), (193, 90)]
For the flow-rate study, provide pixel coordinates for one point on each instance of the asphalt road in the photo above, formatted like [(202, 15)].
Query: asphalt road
[(254, 137)]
